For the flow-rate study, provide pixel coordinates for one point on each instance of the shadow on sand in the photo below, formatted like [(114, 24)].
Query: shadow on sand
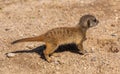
[(39, 50)]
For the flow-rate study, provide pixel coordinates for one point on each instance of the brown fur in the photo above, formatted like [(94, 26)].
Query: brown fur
[(64, 35)]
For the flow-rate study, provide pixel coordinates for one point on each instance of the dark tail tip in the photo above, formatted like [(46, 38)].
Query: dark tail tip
[(14, 42)]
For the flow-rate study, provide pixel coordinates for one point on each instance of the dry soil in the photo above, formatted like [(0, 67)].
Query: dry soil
[(28, 18)]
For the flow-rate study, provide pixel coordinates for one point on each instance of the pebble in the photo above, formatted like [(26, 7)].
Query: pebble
[(56, 62), (112, 25), (7, 29), (114, 49), (34, 34), (93, 59), (44, 67), (113, 34), (10, 55), (30, 46), (92, 50)]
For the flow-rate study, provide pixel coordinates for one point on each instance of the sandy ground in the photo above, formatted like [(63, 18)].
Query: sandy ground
[(28, 18)]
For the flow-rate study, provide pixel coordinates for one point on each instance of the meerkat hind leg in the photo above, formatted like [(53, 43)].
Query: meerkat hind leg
[(50, 48)]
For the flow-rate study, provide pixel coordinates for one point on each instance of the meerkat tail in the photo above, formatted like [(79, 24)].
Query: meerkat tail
[(38, 38)]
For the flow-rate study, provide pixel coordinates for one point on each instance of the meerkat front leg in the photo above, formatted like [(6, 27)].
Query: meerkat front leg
[(80, 46), (50, 48), (81, 49)]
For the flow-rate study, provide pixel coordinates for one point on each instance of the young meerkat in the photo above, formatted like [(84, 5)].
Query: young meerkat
[(64, 35)]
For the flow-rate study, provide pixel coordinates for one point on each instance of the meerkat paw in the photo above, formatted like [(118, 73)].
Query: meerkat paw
[(82, 52), (55, 55), (49, 60)]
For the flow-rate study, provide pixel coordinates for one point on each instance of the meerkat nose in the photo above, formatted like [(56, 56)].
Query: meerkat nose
[(97, 21)]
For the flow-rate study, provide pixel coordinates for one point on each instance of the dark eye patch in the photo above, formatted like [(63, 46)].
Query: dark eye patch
[(94, 20), (88, 23)]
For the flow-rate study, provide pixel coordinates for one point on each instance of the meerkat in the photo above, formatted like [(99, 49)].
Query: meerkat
[(64, 35)]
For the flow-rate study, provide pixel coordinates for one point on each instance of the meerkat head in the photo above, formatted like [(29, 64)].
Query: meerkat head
[(88, 21)]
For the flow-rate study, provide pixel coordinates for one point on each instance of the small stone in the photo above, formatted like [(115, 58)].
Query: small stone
[(7, 29), (34, 34), (56, 62), (92, 50), (113, 34), (112, 25), (114, 49), (10, 55), (62, 62), (44, 67), (30, 46), (93, 59)]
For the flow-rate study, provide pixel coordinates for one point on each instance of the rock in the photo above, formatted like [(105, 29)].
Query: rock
[(92, 50), (30, 46), (113, 34), (112, 25), (45, 67), (93, 59), (7, 29), (114, 49)]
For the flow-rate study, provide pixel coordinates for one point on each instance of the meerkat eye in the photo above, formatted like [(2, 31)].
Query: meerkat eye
[(94, 20)]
